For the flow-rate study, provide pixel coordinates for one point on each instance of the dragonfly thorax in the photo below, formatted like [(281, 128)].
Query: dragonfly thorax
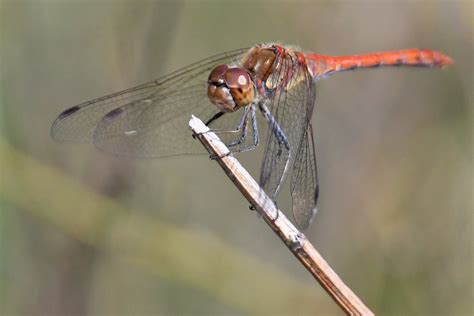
[(259, 61), (230, 88)]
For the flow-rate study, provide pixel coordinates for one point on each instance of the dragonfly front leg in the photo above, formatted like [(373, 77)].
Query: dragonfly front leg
[(256, 138), (236, 130), (243, 127)]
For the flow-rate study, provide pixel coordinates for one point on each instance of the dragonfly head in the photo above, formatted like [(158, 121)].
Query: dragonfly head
[(230, 88)]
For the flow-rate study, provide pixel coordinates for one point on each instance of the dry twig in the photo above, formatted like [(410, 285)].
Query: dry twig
[(288, 233)]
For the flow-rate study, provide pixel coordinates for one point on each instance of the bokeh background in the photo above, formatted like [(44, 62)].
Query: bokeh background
[(85, 233)]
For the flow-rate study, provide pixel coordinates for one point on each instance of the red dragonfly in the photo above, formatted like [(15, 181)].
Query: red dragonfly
[(268, 85)]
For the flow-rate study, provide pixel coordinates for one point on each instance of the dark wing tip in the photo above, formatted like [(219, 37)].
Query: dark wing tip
[(55, 128), (113, 114), (60, 131), (68, 112)]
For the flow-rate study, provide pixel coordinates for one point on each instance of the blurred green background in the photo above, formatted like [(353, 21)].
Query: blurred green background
[(85, 233)]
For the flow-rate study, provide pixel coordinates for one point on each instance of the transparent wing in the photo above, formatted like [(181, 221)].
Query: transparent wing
[(149, 120), (292, 107), (304, 181)]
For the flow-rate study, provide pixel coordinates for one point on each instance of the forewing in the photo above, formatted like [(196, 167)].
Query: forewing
[(156, 109), (304, 181), (291, 106)]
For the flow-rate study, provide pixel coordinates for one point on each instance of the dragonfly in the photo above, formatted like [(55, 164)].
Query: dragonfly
[(268, 86)]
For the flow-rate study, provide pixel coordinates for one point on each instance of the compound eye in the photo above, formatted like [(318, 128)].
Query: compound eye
[(240, 86), (217, 74), (238, 78)]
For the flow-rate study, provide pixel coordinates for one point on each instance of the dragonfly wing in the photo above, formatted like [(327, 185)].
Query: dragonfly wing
[(153, 127), (109, 120), (77, 123), (292, 107), (158, 127), (304, 181)]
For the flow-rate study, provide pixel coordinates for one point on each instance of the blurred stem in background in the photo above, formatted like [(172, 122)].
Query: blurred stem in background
[(158, 248)]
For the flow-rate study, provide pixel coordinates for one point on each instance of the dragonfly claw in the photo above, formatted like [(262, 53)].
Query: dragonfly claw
[(277, 212)]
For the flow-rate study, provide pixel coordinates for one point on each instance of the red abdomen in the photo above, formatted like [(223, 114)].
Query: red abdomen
[(322, 65)]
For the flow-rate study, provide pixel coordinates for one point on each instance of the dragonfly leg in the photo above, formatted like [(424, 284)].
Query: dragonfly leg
[(277, 210), (256, 138), (275, 127), (235, 130), (283, 143), (243, 126), (214, 118)]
